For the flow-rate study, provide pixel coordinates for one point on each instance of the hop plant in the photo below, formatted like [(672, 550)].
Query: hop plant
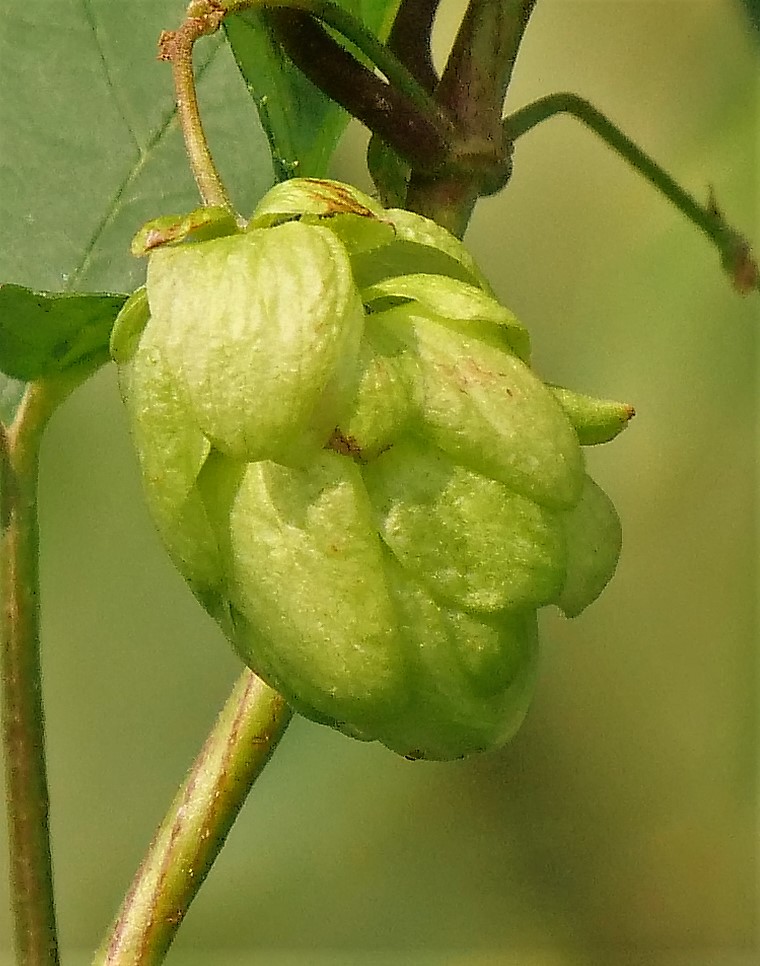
[(355, 468)]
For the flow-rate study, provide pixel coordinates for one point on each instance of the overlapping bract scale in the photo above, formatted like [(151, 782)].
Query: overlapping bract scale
[(356, 469)]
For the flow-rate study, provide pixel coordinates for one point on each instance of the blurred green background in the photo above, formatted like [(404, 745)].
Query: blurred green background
[(620, 825)]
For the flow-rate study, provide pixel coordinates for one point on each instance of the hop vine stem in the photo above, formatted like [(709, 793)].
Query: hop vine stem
[(23, 719), (23, 728), (255, 717), (378, 53)]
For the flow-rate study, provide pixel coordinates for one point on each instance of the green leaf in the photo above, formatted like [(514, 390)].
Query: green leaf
[(42, 334), (753, 12), (303, 125), (90, 148), (389, 172)]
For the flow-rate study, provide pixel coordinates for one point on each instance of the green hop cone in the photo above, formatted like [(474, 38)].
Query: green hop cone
[(355, 468)]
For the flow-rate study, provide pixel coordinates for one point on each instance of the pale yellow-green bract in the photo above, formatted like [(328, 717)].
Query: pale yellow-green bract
[(352, 463)]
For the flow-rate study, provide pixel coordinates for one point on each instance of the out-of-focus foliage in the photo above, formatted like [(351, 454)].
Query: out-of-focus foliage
[(753, 11), (619, 827)]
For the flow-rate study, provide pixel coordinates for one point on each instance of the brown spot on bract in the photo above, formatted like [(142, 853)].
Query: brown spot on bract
[(337, 199), (344, 445)]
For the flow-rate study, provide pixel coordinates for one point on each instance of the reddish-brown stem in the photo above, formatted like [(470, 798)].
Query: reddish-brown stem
[(23, 728)]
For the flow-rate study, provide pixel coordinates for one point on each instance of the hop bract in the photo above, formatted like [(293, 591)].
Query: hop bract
[(355, 468)]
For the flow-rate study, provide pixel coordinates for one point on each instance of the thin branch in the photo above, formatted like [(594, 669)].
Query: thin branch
[(409, 39), (419, 137), (191, 836), (23, 728), (399, 108), (177, 47), (354, 31), (481, 63), (734, 249)]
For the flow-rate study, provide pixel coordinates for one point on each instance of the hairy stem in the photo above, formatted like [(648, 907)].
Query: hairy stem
[(481, 63), (23, 728), (177, 47), (734, 249), (196, 826), (471, 91), (409, 39), (399, 107)]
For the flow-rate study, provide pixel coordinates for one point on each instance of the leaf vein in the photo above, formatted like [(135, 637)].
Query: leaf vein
[(113, 88), (113, 209)]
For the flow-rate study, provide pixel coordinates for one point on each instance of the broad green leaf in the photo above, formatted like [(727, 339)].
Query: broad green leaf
[(302, 123), (90, 147), (42, 334)]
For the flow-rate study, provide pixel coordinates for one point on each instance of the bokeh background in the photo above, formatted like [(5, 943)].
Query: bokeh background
[(620, 825)]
